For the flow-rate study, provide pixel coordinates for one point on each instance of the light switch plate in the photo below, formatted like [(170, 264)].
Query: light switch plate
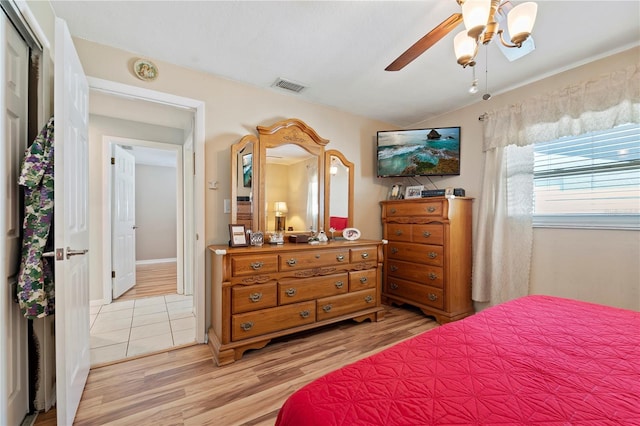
[(227, 205)]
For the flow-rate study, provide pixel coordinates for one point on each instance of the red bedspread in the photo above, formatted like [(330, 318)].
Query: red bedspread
[(535, 360)]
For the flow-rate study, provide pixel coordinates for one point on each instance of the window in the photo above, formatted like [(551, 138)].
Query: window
[(591, 180)]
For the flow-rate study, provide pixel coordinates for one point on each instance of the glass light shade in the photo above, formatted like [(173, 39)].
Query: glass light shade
[(464, 47), (520, 21), (475, 14), (333, 170)]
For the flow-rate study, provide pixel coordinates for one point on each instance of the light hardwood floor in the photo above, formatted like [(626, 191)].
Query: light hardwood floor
[(154, 279), (185, 387)]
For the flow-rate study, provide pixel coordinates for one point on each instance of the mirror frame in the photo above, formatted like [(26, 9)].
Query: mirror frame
[(236, 148), (327, 187), (296, 132)]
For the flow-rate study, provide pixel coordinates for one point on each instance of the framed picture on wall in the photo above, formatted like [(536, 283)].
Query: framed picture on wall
[(247, 170), (237, 236)]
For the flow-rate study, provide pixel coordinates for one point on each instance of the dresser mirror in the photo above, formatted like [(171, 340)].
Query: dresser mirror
[(338, 193), (291, 188)]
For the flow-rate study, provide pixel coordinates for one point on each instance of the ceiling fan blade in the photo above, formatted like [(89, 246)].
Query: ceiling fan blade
[(425, 42)]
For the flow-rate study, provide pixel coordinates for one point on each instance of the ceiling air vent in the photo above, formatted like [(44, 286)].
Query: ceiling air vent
[(288, 85)]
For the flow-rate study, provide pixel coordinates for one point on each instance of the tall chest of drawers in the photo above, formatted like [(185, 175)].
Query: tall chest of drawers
[(427, 261), (260, 293)]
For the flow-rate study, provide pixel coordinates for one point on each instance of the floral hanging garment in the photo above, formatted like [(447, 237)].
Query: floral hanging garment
[(35, 279)]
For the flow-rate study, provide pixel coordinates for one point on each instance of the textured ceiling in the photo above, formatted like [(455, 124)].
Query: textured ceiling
[(339, 49)]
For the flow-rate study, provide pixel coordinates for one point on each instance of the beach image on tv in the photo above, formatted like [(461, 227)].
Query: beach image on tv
[(419, 152)]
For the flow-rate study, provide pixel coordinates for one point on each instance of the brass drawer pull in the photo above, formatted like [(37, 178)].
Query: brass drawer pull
[(393, 286), (365, 255), (339, 284), (431, 209), (292, 262), (433, 297), (398, 232), (340, 257), (304, 314), (393, 211), (327, 308), (363, 280), (256, 265), (432, 255), (426, 234), (368, 299), (394, 250), (246, 326), (432, 276), (393, 268), (255, 297), (290, 292)]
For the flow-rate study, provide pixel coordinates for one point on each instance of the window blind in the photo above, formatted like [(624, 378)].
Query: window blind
[(591, 174)]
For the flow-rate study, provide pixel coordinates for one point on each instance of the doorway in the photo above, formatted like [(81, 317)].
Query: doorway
[(128, 104)]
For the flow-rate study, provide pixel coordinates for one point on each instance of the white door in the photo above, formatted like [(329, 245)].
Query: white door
[(71, 226), (123, 241), (14, 389)]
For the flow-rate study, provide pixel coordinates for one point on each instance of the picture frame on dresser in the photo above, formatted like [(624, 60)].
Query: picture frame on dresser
[(414, 191), (237, 236)]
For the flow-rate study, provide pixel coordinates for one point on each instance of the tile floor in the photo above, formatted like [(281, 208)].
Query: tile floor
[(133, 327)]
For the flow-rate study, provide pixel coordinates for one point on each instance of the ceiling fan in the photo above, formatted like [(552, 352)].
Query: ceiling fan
[(481, 19)]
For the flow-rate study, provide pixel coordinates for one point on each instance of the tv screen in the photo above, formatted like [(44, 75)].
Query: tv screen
[(419, 152)]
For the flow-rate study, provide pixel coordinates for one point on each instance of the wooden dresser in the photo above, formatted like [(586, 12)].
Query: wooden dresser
[(260, 293), (427, 261)]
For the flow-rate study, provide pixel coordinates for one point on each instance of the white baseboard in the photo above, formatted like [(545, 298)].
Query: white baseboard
[(151, 261)]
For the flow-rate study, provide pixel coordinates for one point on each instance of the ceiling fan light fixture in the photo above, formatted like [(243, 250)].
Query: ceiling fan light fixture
[(465, 48), (475, 14), (520, 21)]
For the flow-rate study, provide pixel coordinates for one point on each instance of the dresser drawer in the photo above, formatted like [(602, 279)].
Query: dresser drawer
[(423, 294), (251, 265), (313, 259), (256, 323), (421, 253), (331, 307), (399, 232), (428, 234), (425, 208), (366, 254), (253, 297), (361, 280), (293, 291), (423, 274)]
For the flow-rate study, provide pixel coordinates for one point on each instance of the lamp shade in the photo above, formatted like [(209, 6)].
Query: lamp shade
[(520, 21), (475, 14), (464, 47), (280, 207)]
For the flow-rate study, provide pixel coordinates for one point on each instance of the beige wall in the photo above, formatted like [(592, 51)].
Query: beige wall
[(593, 265)]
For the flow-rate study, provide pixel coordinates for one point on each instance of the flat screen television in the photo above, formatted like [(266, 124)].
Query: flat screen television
[(419, 152)]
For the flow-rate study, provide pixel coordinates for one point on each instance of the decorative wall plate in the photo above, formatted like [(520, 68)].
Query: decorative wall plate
[(351, 234), (145, 70)]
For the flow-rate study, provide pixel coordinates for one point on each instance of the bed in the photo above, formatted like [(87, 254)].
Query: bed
[(535, 360)]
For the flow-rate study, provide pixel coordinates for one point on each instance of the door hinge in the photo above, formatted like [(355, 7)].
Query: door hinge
[(113, 160), (113, 274)]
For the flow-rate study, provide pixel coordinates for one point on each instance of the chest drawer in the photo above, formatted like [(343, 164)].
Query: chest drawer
[(398, 232), (421, 253), (423, 274), (366, 254), (253, 297), (251, 324), (312, 259), (425, 208), (361, 280), (424, 294), (293, 291), (249, 265), (428, 234), (335, 306)]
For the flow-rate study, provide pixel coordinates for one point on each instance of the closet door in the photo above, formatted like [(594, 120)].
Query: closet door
[(14, 62)]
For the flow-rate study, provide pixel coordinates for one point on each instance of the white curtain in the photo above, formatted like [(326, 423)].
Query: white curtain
[(502, 254)]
